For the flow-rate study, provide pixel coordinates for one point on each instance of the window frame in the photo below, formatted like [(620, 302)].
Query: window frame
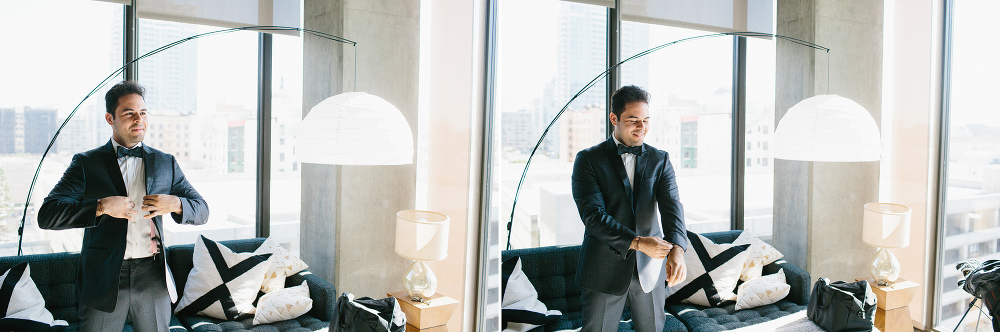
[(739, 101), (130, 49)]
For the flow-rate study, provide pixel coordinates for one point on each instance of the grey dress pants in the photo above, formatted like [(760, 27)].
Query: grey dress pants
[(603, 312), (142, 299)]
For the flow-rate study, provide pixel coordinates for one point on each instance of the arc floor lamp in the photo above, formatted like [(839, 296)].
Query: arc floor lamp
[(820, 128)]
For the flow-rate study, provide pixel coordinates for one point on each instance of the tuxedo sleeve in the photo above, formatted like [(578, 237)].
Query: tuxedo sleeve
[(65, 206), (671, 209), (194, 209), (590, 203)]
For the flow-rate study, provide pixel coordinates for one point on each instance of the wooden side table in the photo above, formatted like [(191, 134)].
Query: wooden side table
[(893, 313), (432, 315)]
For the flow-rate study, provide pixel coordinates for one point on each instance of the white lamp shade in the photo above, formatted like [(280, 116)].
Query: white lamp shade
[(422, 235), (354, 128), (886, 225), (827, 128)]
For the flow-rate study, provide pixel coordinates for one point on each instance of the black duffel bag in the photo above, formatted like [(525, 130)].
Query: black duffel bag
[(842, 306), (367, 315)]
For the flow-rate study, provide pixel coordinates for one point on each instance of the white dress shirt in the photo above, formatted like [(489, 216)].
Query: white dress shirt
[(138, 240), (629, 160)]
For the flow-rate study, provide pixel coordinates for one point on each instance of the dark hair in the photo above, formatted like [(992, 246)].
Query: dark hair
[(625, 95), (123, 88)]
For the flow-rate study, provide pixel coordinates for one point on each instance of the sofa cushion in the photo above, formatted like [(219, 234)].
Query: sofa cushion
[(712, 272), (304, 323), (282, 264), (20, 301), (55, 277), (703, 319), (761, 254), (521, 310), (179, 257), (283, 304), (762, 290), (222, 284)]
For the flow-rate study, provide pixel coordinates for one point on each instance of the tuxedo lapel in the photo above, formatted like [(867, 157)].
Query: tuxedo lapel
[(149, 167), (110, 159), (616, 162), (640, 167)]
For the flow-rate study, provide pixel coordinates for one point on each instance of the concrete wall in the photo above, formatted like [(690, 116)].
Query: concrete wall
[(348, 212), (819, 205)]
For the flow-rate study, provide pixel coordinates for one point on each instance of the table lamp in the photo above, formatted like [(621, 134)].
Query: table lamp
[(423, 237), (885, 226)]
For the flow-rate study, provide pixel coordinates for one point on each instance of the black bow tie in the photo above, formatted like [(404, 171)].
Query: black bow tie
[(134, 152), (636, 150)]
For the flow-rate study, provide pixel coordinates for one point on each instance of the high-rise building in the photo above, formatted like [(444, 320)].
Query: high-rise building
[(520, 130), (86, 130), (170, 76), (39, 127), (581, 130), (8, 124)]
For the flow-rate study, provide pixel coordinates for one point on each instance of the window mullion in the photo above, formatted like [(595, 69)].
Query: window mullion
[(738, 177)]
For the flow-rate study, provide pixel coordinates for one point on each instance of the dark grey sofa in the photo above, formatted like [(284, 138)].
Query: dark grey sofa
[(55, 275), (552, 272)]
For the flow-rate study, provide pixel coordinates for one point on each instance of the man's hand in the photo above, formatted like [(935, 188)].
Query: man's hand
[(158, 205), (116, 206), (676, 270), (653, 246)]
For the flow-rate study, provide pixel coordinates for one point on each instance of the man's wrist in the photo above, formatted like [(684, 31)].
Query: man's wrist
[(635, 243), (100, 208)]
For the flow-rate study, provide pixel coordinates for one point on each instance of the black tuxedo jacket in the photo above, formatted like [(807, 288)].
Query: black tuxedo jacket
[(612, 209), (72, 203)]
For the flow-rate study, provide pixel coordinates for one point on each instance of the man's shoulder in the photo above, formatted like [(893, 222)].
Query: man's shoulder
[(591, 150), (92, 153)]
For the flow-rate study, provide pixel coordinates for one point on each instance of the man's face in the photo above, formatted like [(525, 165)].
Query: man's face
[(129, 122), (633, 124)]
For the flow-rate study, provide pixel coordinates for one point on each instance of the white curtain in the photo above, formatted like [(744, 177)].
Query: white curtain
[(222, 13), (707, 15)]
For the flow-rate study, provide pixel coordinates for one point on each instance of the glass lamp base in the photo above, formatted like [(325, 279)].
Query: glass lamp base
[(884, 268), (420, 283)]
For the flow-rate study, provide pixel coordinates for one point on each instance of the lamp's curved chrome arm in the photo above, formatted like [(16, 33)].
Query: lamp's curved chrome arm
[(264, 28), (510, 223)]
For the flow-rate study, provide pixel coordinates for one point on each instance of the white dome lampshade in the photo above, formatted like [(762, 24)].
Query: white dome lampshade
[(827, 128), (354, 128), (886, 225)]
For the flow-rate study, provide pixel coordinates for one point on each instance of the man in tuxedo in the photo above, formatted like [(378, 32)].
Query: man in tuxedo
[(628, 254), (123, 271)]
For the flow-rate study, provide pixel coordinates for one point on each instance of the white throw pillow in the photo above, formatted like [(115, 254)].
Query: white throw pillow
[(761, 254), (520, 308), (762, 291), (283, 264), (712, 272), (283, 304), (22, 297), (222, 284)]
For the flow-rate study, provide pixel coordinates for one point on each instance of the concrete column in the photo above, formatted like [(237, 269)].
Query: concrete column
[(348, 212), (819, 205)]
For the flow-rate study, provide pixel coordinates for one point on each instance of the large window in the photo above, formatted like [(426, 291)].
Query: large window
[(202, 97), (51, 60), (286, 115), (758, 192), (690, 114), (547, 51), (202, 100), (971, 191)]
